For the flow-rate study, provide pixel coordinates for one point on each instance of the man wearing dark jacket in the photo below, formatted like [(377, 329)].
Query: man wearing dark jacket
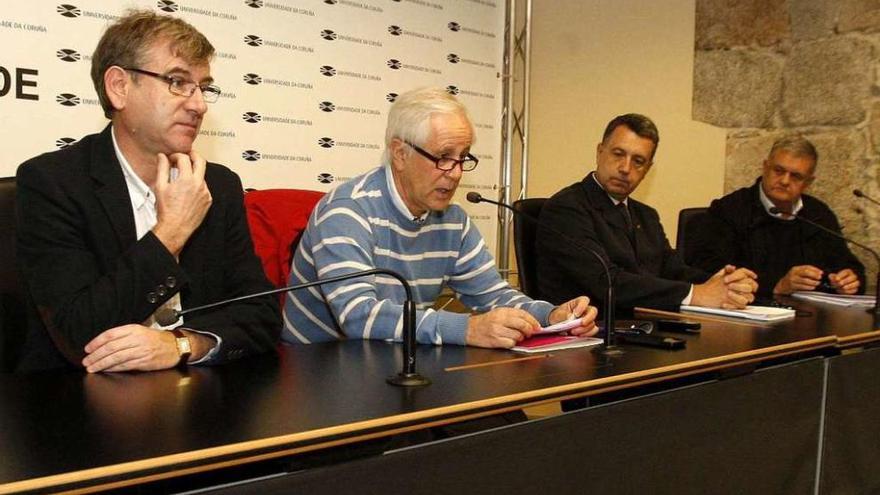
[(788, 255), (599, 213), (132, 222)]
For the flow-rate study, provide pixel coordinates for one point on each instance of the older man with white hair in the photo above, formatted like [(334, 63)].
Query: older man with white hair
[(398, 216)]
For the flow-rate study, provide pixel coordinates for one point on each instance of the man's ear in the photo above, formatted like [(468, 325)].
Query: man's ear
[(399, 153), (117, 85)]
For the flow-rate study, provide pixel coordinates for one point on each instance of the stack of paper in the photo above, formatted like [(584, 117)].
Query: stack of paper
[(759, 313), (837, 299), (541, 343)]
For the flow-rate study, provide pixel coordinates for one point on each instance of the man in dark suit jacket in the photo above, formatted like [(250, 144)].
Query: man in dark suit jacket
[(599, 213), (132, 222), (787, 255)]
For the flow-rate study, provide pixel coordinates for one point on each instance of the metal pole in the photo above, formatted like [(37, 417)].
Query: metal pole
[(527, 74), (506, 140)]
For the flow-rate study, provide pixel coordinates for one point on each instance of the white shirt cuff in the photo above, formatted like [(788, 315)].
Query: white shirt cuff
[(213, 352), (687, 300)]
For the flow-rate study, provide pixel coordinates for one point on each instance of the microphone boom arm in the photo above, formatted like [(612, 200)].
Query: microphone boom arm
[(823, 228), (408, 377), (475, 197)]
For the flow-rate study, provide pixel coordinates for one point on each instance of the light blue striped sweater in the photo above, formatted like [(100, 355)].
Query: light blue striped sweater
[(364, 224)]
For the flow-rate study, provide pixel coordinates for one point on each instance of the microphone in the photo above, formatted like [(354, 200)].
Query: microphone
[(609, 347), (859, 194), (408, 377), (777, 211)]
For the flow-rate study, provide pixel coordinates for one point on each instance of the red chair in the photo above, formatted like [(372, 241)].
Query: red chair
[(277, 219)]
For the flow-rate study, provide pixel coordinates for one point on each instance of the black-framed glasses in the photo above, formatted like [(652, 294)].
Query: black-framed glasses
[(446, 164), (182, 87)]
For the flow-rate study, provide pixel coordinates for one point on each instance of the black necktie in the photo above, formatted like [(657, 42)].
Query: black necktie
[(626, 216)]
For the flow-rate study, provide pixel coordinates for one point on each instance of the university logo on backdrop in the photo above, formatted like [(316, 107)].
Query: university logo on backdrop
[(73, 12), (64, 142), (250, 155), (68, 99), (167, 6), (68, 10), (253, 40), (68, 55), (359, 73), (251, 117)]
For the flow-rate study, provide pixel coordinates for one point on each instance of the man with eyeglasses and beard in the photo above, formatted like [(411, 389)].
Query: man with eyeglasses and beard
[(133, 220), (787, 255), (398, 216), (599, 212)]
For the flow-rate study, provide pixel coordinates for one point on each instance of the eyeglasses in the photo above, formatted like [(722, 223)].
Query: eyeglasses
[(446, 164), (183, 87)]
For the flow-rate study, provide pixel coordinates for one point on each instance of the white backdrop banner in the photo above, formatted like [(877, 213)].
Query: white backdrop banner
[(306, 84)]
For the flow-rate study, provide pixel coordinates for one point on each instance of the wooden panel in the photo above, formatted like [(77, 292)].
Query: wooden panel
[(753, 434)]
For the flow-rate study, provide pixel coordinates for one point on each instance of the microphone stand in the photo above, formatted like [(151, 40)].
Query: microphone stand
[(408, 377), (608, 348), (876, 309)]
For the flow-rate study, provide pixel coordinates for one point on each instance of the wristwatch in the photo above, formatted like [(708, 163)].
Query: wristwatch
[(184, 347)]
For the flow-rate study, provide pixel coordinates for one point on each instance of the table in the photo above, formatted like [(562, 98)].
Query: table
[(72, 431)]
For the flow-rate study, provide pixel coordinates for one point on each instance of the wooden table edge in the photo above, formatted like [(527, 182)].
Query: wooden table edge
[(858, 339)]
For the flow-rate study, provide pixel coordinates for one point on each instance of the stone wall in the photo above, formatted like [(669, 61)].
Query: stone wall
[(765, 68)]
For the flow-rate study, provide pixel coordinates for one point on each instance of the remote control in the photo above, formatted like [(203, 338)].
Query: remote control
[(650, 340), (678, 326)]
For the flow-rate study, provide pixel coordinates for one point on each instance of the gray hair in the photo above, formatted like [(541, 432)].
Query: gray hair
[(409, 118), (798, 146)]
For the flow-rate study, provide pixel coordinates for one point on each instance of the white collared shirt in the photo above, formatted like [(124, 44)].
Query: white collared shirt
[(612, 198), (397, 200), (765, 201), (143, 204)]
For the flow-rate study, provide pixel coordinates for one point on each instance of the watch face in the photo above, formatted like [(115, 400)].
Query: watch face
[(183, 346)]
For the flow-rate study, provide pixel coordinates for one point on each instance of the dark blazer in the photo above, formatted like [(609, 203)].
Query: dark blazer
[(85, 272), (647, 271), (738, 230)]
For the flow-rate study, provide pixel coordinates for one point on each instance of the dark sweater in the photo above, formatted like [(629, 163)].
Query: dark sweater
[(739, 231)]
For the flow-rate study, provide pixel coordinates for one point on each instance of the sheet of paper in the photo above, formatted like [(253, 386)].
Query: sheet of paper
[(836, 299), (759, 313)]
